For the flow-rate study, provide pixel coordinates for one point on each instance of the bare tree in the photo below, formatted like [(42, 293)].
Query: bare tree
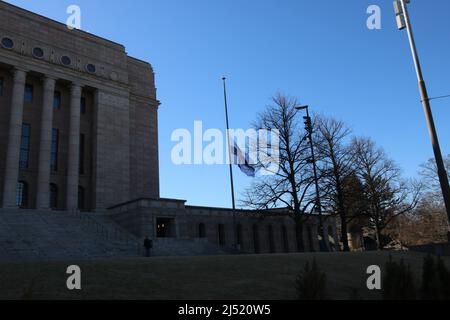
[(429, 174), (289, 187), (336, 166), (427, 224), (387, 194)]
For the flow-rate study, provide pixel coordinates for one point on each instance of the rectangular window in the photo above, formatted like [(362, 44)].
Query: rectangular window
[(25, 146), (54, 151), (1, 87), (57, 100), (81, 154), (29, 89), (83, 105)]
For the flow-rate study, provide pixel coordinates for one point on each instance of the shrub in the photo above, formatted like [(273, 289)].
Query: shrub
[(429, 289), (311, 283), (398, 282), (435, 280)]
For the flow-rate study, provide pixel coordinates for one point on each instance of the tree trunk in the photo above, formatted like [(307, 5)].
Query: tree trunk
[(299, 235), (378, 236), (380, 241), (344, 236)]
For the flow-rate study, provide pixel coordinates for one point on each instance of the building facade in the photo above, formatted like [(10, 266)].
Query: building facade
[(79, 132), (78, 118), (272, 231)]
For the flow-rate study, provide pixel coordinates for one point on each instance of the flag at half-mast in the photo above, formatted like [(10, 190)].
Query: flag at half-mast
[(243, 162)]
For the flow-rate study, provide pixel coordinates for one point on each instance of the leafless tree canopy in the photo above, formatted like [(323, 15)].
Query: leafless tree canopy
[(358, 182), (429, 173), (338, 182), (289, 186), (389, 196)]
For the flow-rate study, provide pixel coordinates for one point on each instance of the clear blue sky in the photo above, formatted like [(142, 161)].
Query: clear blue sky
[(319, 51)]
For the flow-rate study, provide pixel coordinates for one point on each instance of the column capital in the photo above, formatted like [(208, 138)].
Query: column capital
[(49, 77), (49, 82), (19, 74), (75, 89)]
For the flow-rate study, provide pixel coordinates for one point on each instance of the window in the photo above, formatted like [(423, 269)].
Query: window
[(81, 164), (54, 151), (83, 105), (201, 230), (22, 194), (90, 68), (28, 97), (57, 100), (65, 60), (1, 87), (38, 52), (81, 200), (25, 146), (53, 201), (221, 234), (7, 43)]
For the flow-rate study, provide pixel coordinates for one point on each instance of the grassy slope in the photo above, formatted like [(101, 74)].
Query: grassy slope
[(221, 277)]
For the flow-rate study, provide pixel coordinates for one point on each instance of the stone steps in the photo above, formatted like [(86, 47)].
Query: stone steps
[(37, 234)]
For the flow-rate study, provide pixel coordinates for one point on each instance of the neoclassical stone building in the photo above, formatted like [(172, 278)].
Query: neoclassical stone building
[(79, 131), (78, 118)]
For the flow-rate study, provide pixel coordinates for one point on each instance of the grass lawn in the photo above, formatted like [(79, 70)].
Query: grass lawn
[(218, 277)]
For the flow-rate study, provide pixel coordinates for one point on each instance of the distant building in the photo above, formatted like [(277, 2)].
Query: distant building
[(79, 131)]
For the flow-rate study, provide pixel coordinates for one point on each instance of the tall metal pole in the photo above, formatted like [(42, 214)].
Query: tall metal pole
[(230, 158), (322, 243), (442, 173)]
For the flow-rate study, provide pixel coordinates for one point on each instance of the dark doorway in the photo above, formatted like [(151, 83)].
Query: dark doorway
[(310, 239), (164, 228), (239, 236), (201, 230), (81, 199), (271, 239), (221, 234), (299, 236), (285, 239), (256, 238)]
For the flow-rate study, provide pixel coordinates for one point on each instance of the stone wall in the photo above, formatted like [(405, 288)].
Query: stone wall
[(260, 232)]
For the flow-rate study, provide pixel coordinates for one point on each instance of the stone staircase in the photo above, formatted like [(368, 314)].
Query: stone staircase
[(36, 234)]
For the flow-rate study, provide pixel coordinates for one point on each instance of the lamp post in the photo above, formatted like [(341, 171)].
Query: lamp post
[(403, 21), (309, 129)]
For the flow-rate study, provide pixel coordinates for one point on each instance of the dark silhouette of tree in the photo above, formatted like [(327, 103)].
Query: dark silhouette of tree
[(342, 191), (289, 186), (429, 173), (387, 194)]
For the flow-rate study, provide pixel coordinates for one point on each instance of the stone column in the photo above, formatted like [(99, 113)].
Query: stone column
[(14, 139), (43, 184), (74, 148)]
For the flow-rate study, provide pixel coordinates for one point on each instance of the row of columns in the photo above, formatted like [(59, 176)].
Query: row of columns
[(44, 170)]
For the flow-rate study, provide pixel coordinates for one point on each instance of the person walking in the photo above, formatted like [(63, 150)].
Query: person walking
[(148, 245)]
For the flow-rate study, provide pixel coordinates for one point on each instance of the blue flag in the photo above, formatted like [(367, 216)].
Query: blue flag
[(243, 163)]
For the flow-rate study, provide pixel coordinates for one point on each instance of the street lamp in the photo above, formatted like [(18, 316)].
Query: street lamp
[(309, 129), (403, 21)]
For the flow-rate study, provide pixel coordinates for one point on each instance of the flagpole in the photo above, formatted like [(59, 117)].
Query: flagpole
[(230, 162)]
